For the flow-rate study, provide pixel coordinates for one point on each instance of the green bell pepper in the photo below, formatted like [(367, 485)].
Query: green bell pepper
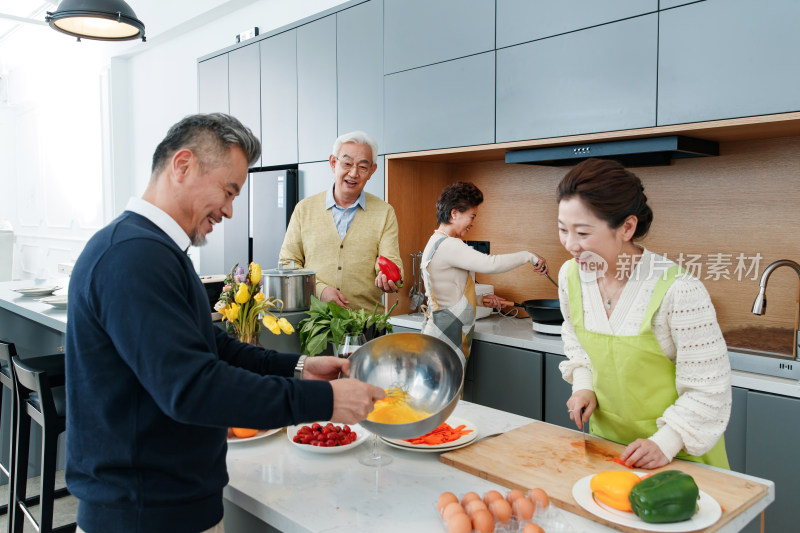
[(668, 496)]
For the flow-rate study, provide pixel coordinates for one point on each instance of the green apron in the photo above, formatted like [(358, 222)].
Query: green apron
[(633, 380)]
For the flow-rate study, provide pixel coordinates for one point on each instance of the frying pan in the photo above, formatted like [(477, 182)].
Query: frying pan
[(542, 311)]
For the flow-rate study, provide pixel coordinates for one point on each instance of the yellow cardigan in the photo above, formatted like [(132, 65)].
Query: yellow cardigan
[(349, 264)]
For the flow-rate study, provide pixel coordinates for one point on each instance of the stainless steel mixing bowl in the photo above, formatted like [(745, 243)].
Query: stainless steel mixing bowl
[(425, 367)]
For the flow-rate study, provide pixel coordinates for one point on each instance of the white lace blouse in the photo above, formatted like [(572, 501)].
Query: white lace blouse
[(686, 328)]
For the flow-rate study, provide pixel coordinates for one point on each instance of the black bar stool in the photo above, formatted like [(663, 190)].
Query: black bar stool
[(41, 398)]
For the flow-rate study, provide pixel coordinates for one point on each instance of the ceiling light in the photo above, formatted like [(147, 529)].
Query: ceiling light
[(102, 20)]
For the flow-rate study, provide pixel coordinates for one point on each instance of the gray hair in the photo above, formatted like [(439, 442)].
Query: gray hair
[(358, 137), (209, 137)]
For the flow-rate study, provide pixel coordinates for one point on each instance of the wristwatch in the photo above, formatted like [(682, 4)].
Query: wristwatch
[(298, 369)]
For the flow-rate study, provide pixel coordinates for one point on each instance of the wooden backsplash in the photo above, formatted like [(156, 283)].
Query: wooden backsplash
[(745, 201)]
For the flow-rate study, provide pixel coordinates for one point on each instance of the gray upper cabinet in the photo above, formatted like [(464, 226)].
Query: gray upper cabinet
[(316, 89), (212, 97), (593, 80), (423, 32), (722, 59), (440, 106), (359, 51), (212, 85), (279, 99), (519, 21), (243, 88)]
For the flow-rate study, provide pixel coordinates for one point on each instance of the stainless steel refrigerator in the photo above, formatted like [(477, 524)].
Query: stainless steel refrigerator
[(273, 195)]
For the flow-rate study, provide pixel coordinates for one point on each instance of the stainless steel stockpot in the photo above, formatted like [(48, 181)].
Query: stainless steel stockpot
[(294, 286)]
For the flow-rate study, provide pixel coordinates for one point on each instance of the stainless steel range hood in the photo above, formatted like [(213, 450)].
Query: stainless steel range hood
[(651, 151)]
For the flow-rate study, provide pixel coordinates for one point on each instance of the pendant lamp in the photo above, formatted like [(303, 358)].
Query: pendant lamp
[(102, 20)]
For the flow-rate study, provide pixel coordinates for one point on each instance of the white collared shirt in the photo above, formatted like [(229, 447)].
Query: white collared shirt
[(157, 216)]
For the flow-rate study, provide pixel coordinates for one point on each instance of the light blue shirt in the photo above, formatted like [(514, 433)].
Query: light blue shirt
[(343, 216)]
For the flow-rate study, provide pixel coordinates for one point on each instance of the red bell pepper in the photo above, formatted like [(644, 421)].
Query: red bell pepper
[(391, 270)]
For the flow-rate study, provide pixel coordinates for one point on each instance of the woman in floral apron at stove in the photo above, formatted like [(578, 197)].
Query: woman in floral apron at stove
[(446, 265), (646, 357)]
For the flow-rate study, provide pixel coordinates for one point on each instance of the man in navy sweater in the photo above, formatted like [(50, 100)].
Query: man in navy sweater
[(152, 384)]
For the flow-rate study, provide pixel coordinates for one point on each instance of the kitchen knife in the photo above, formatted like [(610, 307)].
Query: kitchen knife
[(583, 431)]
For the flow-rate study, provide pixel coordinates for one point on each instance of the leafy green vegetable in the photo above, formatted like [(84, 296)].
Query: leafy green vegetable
[(327, 322)]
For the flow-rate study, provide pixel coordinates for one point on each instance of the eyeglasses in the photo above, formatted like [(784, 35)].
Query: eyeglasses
[(347, 166)]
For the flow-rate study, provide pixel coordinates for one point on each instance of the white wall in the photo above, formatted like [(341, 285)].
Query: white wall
[(79, 121)]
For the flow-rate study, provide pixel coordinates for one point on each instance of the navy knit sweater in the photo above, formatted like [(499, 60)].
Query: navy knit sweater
[(152, 386)]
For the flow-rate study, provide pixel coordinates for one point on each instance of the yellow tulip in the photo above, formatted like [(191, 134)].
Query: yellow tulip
[(232, 312), (285, 326), (259, 297), (242, 294), (255, 273), (271, 324)]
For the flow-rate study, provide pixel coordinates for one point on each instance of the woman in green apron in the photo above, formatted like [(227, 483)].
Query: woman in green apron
[(645, 355), (447, 263)]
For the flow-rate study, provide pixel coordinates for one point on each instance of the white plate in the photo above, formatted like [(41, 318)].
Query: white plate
[(466, 440), (37, 291), (708, 513), (59, 301), (361, 435), (260, 435)]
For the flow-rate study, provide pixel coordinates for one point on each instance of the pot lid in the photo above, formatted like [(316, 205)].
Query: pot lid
[(288, 272)]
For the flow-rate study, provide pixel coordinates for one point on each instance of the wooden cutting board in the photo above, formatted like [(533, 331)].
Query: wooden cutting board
[(552, 458)]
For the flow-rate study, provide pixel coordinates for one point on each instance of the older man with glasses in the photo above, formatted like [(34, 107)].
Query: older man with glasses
[(341, 232)]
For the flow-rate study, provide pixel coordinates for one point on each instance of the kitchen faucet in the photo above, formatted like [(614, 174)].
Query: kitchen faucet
[(760, 305)]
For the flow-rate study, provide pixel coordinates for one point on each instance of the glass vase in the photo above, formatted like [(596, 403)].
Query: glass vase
[(349, 344)]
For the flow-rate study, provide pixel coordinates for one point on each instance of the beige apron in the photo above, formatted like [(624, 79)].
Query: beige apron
[(456, 324)]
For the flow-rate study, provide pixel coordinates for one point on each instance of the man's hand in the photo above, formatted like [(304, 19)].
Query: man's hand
[(581, 400), (383, 283), (323, 367), (331, 294), (643, 453), (353, 400)]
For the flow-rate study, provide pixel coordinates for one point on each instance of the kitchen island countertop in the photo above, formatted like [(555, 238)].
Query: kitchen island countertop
[(519, 333), (298, 491)]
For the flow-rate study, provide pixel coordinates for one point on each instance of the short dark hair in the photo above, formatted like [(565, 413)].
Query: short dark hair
[(210, 137), (612, 192), (461, 195)]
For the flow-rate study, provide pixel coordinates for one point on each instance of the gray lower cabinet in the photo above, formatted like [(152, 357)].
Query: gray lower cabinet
[(244, 88), (722, 59), (212, 85), (440, 106), (279, 99), (519, 21), (316, 89), (667, 4), (556, 393), (593, 80), (507, 378), (736, 432), (359, 53), (773, 438), (421, 32)]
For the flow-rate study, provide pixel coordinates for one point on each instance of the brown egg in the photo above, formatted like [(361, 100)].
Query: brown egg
[(452, 508), (513, 495), (482, 521), (501, 510), (532, 528), (444, 499), (539, 498), (469, 497), (491, 496), (459, 523), (523, 509), (475, 505)]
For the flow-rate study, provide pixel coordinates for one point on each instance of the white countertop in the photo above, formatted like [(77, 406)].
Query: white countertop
[(29, 307), (298, 491), (519, 333)]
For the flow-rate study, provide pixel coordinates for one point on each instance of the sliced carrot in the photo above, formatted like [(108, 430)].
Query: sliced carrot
[(441, 435)]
